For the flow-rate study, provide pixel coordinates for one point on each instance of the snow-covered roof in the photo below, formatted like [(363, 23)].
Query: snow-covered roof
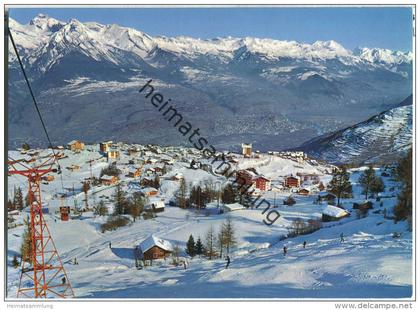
[(148, 189), (334, 211), (233, 206), (73, 142), (107, 177), (158, 203), (155, 241)]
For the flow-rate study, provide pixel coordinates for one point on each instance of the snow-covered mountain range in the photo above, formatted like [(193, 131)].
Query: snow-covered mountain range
[(276, 94), (381, 138)]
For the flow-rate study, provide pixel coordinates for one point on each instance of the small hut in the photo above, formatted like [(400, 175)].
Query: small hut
[(332, 213), (155, 248)]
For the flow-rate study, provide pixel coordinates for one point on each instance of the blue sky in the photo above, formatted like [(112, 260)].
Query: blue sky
[(384, 27)]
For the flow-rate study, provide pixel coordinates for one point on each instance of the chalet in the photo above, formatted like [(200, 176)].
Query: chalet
[(147, 182), (363, 206), (150, 171), (159, 168), (303, 192), (155, 248), (75, 146), (246, 149), (291, 181), (155, 205), (113, 154), (312, 178), (262, 183), (109, 179), (149, 191), (105, 146), (244, 177), (151, 161), (332, 213), (133, 150), (134, 172), (232, 207), (327, 197)]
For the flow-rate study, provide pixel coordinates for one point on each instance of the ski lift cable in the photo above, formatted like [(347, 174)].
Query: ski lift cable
[(36, 104)]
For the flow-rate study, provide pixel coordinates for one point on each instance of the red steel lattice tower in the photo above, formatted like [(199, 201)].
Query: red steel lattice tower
[(44, 276)]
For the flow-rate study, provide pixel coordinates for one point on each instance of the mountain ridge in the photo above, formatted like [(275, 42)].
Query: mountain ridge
[(365, 141), (275, 94)]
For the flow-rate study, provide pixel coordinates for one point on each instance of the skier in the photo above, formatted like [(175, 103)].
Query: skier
[(341, 238), (110, 244), (75, 262), (284, 250), (304, 244), (63, 280), (227, 262)]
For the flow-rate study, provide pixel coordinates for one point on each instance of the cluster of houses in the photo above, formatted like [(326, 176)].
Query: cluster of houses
[(298, 156), (302, 183)]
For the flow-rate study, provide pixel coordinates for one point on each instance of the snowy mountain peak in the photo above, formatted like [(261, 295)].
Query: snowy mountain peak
[(143, 45), (45, 23), (381, 55)]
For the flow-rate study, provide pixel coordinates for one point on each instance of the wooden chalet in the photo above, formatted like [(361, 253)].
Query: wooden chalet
[(109, 179), (291, 181), (75, 146), (155, 248)]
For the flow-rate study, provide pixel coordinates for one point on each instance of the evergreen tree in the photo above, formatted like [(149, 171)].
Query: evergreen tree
[(403, 173), (181, 195), (210, 243), (15, 262), (27, 202), (190, 250), (26, 147), (200, 196), (156, 182), (377, 186), (26, 247), (340, 184), (228, 194), (366, 180), (199, 248), (120, 201), (18, 199), (136, 207)]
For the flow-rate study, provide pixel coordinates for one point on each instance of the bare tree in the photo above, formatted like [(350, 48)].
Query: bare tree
[(228, 234), (211, 243)]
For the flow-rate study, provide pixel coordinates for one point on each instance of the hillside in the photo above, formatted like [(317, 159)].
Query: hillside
[(371, 262), (382, 138)]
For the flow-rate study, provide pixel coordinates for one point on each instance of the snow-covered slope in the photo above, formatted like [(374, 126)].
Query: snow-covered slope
[(383, 137), (370, 263)]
